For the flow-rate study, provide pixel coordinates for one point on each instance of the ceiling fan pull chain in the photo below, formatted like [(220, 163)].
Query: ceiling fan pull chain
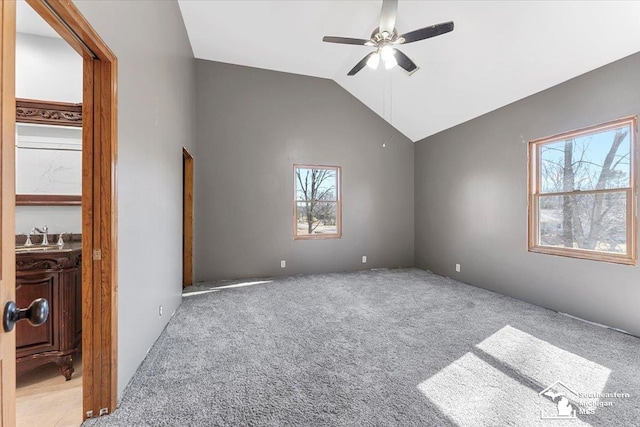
[(387, 97)]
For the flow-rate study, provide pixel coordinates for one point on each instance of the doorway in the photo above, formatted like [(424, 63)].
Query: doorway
[(187, 218), (99, 215), (48, 200)]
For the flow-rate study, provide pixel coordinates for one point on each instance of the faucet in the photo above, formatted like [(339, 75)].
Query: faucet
[(28, 242), (60, 239), (45, 229)]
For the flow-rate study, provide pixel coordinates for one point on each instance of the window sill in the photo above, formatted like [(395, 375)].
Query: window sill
[(586, 254), (318, 237)]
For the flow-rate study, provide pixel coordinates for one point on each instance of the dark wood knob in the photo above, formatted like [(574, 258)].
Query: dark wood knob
[(37, 313)]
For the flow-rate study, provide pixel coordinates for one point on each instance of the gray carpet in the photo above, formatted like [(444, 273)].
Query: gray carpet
[(383, 347)]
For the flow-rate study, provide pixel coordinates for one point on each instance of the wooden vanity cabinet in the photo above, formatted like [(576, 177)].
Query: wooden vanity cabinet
[(57, 277)]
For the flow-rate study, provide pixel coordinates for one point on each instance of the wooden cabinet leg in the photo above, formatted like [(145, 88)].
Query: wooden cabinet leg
[(66, 366)]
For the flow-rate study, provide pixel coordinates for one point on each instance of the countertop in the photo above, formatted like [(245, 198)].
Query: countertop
[(50, 249)]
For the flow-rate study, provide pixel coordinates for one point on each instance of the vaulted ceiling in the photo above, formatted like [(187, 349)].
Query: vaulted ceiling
[(499, 52)]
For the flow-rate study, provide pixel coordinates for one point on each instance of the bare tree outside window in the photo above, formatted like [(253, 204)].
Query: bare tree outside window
[(317, 201), (581, 193)]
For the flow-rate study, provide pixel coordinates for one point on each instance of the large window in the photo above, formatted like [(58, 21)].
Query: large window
[(317, 208), (582, 193)]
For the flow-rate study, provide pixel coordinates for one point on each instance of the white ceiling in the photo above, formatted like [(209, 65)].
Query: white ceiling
[(498, 53)]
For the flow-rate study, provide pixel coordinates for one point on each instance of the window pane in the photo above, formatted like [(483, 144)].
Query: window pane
[(596, 161), (586, 221), (316, 184), (316, 218)]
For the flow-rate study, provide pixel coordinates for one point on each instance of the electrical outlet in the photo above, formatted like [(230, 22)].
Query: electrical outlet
[(283, 264), (458, 268), (160, 311), (364, 259)]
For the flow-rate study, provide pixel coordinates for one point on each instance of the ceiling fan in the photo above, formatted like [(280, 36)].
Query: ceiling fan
[(385, 38)]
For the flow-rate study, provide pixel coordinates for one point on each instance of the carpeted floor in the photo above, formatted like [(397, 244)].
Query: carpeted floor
[(382, 347)]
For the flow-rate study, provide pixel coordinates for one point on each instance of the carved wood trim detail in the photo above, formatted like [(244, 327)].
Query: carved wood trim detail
[(48, 112), (30, 263)]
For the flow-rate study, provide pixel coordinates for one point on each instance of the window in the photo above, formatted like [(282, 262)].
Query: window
[(582, 193), (317, 206)]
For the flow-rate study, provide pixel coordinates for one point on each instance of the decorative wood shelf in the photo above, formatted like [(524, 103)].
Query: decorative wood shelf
[(48, 112)]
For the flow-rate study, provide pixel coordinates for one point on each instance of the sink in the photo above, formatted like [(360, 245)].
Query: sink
[(37, 248)]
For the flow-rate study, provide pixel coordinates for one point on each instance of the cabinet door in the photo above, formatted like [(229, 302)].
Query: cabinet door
[(36, 339), (77, 313), (71, 305)]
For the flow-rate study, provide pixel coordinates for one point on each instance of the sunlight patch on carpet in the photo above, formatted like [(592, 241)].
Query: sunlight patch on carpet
[(472, 393), (190, 294), (544, 363), (219, 288), (240, 285)]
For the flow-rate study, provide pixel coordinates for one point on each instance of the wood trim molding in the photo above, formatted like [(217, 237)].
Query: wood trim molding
[(47, 200), (187, 219), (48, 112), (7, 217), (63, 16), (99, 203), (45, 261)]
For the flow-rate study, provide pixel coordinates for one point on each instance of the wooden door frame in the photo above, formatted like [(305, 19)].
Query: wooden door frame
[(99, 203), (187, 218), (7, 217)]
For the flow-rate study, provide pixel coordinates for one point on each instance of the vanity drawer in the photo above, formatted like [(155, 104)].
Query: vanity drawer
[(36, 339)]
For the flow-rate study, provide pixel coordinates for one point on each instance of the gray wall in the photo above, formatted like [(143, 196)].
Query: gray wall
[(156, 96), (252, 126), (471, 200)]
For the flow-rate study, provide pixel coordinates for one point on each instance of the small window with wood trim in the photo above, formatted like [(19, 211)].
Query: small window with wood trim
[(317, 205), (582, 193)]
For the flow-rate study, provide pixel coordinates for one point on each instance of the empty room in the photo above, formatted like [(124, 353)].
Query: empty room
[(319, 213)]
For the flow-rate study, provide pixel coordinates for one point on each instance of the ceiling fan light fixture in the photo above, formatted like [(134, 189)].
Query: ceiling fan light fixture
[(387, 53), (390, 62), (373, 61)]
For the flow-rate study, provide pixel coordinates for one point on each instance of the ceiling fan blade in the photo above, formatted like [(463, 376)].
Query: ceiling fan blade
[(360, 65), (347, 40), (388, 16), (405, 62), (427, 32)]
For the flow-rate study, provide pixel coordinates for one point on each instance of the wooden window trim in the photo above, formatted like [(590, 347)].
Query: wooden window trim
[(338, 203), (534, 185)]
